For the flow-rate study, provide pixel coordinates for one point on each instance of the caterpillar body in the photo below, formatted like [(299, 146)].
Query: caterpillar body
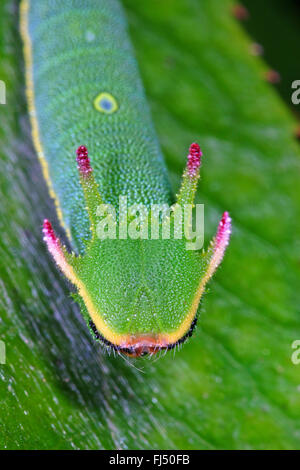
[(138, 295)]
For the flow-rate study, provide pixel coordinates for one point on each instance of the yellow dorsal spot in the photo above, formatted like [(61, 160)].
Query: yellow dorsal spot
[(27, 48), (105, 103)]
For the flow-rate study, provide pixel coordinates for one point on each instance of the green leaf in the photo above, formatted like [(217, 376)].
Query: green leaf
[(233, 385)]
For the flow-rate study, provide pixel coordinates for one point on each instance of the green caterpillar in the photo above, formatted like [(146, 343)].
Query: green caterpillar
[(138, 294)]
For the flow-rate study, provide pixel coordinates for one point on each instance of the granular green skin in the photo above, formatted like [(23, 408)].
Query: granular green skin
[(140, 285), (80, 50)]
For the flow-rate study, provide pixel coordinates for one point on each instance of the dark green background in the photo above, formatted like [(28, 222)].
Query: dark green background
[(275, 24)]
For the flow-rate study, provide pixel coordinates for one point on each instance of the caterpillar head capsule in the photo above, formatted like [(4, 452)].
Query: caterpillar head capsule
[(139, 290)]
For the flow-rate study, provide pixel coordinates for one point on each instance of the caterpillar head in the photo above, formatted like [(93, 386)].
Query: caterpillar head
[(140, 293)]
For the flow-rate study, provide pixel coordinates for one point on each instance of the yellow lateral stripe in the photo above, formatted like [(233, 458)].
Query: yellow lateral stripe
[(106, 331), (102, 327), (121, 339), (186, 324), (27, 50), (115, 338), (218, 248)]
